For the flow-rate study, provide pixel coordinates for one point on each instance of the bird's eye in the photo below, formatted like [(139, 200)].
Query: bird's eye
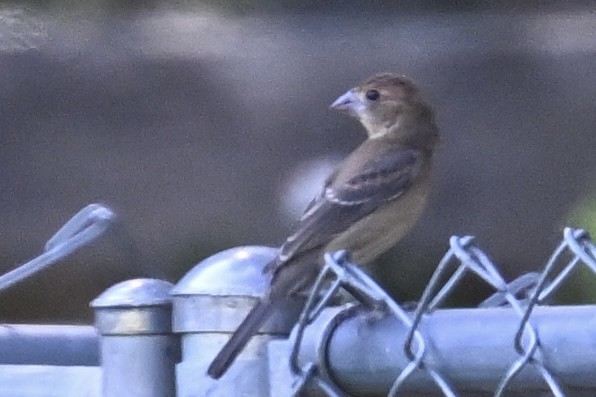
[(372, 95)]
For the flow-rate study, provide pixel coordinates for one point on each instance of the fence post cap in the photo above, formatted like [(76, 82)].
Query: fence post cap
[(135, 307), (216, 295), (235, 271), (140, 292)]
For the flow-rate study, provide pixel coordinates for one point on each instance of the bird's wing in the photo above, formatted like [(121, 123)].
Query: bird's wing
[(338, 206)]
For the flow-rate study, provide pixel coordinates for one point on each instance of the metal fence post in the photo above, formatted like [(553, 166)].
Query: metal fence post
[(208, 305), (137, 348)]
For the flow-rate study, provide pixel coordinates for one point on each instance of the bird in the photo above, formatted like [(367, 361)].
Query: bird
[(365, 206)]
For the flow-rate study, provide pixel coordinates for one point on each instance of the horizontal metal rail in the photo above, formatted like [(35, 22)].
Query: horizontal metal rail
[(472, 348), (29, 344)]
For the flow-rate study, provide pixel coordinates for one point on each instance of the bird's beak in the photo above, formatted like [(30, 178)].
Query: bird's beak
[(348, 102)]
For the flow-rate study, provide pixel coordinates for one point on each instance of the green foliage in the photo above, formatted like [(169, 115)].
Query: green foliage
[(583, 215), (581, 286)]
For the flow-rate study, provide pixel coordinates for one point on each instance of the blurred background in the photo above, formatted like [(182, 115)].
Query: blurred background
[(205, 125)]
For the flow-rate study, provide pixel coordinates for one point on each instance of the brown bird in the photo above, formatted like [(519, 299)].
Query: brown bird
[(366, 205)]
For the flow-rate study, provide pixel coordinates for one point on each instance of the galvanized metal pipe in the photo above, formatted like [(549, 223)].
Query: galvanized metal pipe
[(471, 348), (49, 381), (208, 305), (138, 350), (30, 344)]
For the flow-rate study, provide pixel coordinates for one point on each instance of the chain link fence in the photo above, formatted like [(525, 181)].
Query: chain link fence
[(514, 343), (523, 295)]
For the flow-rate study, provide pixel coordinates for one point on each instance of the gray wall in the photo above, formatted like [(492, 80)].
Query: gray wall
[(187, 122)]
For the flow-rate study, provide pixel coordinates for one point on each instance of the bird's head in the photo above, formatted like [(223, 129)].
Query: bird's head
[(382, 103)]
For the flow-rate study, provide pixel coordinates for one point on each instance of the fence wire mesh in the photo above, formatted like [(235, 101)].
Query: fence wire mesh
[(522, 295), (82, 229)]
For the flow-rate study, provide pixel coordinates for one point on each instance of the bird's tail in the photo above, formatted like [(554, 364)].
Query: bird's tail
[(250, 326)]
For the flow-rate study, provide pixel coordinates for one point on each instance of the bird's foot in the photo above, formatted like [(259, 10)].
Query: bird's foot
[(377, 311)]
